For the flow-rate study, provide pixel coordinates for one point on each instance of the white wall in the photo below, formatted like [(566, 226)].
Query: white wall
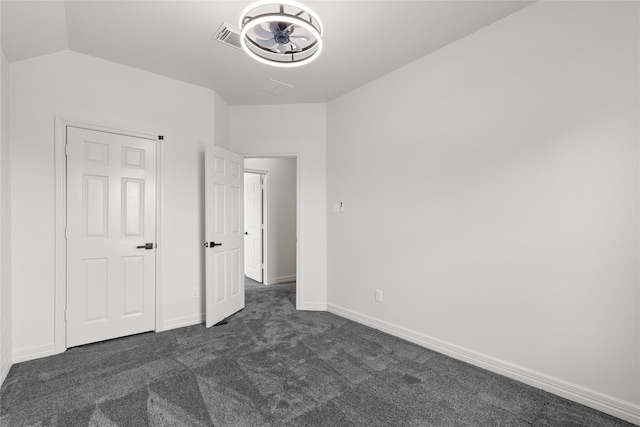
[(221, 122), (5, 224), (281, 217), (254, 132), (491, 192), (79, 87)]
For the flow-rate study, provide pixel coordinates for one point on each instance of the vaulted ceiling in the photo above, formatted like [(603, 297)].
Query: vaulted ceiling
[(363, 40)]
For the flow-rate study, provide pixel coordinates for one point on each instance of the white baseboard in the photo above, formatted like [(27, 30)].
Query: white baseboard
[(180, 322), (22, 355), (312, 306), (624, 410), (283, 279), (4, 372)]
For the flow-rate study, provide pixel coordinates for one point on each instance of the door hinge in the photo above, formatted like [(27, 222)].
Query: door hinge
[(65, 315), (66, 149), (66, 234)]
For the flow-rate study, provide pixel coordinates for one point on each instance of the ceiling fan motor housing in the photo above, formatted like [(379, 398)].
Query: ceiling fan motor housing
[(281, 35)]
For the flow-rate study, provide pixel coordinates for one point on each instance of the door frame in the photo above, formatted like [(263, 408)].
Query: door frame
[(299, 272), (265, 221), (60, 263)]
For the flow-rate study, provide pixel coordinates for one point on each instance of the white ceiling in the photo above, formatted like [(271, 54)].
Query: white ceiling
[(363, 40)]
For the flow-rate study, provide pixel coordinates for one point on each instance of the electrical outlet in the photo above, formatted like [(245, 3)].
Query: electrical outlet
[(378, 295), (194, 293)]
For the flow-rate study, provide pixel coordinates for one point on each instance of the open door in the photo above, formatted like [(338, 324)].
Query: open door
[(224, 217), (253, 219)]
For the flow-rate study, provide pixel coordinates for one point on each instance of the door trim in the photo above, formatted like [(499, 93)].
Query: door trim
[(60, 263)]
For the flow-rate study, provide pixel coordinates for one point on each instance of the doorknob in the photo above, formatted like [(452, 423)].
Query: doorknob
[(145, 246), (246, 233), (211, 245)]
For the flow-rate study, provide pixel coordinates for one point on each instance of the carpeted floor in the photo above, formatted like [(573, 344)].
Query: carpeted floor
[(273, 365)]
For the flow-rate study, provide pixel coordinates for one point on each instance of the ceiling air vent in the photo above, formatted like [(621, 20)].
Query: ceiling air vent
[(228, 34), (277, 88)]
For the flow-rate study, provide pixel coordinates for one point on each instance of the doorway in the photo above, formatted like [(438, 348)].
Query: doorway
[(278, 177)]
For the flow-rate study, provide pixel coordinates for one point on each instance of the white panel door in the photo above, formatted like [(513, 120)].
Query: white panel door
[(111, 216), (224, 217), (253, 226)]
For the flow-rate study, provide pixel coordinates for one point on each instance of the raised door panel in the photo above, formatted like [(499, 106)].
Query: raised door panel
[(132, 270), (219, 276), (219, 165), (234, 170), (219, 208), (234, 210), (236, 271), (95, 279), (133, 158), (95, 206), (96, 153), (132, 207)]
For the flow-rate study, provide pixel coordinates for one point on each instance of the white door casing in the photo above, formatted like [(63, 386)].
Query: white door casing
[(224, 218), (111, 212), (253, 226)]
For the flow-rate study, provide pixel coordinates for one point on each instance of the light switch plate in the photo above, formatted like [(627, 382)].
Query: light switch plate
[(378, 295)]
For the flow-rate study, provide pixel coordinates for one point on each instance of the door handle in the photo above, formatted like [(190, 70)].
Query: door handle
[(246, 233), (211, 245), (145, 246)]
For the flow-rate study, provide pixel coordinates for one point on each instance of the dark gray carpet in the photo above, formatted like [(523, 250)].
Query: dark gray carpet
[(273, 365)]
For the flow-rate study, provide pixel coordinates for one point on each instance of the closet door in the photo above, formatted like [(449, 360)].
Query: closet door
[(111, 229)]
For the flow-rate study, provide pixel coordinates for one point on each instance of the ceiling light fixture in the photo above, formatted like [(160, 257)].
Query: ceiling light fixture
[(283, 34)]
